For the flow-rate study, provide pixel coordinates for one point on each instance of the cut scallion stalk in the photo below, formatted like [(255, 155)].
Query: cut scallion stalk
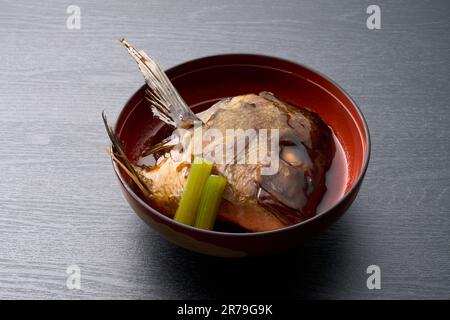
[(198, 174), (210, 202)]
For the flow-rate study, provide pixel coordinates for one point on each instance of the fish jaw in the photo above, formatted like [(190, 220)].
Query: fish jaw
[(250, 216), (166, 181)]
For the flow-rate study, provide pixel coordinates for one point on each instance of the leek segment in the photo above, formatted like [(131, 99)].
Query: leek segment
[(198, 174), (210, 202)]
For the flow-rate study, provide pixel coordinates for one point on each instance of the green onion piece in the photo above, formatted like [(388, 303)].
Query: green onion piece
[(210, 201), (187, 209)]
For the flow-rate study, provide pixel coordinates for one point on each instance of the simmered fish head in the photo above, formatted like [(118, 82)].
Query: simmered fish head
[(252, 199)]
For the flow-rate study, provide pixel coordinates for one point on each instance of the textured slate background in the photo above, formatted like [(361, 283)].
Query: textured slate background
[(60, 203)]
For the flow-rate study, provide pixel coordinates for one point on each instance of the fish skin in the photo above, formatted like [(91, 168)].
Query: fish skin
[(240, 206)]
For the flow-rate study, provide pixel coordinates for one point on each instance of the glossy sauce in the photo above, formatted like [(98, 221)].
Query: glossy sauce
[(336, 178)]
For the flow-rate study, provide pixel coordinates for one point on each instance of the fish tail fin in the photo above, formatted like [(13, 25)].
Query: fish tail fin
[(118, 155), (166, 102)]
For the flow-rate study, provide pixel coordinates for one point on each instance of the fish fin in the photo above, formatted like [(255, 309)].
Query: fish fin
[(166, 102), (119, 156), (162, 145)]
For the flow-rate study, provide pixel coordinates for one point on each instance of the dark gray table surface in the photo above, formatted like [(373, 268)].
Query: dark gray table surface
[(60, 203)]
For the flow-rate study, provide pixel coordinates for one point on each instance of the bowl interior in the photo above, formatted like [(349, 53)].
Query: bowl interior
[(204, 81)]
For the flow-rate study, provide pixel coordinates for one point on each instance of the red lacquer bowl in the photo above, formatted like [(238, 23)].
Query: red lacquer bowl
[(204, 81)]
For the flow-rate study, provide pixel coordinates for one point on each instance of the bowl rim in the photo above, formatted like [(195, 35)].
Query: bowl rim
[(355, 185)]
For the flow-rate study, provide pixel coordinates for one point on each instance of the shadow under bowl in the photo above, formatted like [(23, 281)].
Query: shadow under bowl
[(204, 81)]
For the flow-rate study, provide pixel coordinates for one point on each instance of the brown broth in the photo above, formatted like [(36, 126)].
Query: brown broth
[(336, 179)]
